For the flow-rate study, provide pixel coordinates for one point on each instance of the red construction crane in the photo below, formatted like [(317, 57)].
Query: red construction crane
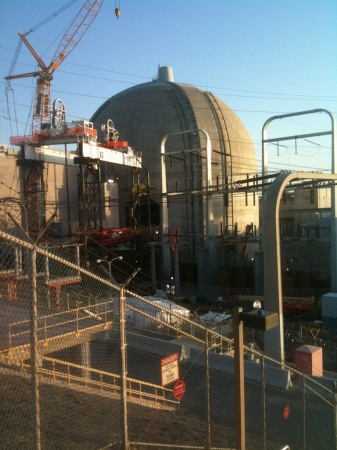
[(74, 33)]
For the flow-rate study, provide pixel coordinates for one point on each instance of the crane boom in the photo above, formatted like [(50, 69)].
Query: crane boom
[(74, 33)]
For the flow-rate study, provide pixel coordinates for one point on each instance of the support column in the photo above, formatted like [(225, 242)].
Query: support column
[(274, 338), (85, 356)]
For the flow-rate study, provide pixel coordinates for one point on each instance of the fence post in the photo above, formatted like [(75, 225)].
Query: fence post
[(123, 344), (124, 416), (34, 350), (304, 415), (263, 368), (240, 424), (335, 411), (207, 392), (77, 314)]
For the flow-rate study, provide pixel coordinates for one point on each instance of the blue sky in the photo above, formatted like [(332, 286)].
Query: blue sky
[(262, 58)]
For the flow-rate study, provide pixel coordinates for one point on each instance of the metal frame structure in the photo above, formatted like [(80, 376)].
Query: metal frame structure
[(34, 188), (274, 339), (208, 215), (89, 191), (331, 133)]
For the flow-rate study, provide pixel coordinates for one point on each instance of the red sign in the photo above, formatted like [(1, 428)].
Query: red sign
[(286, 411), (179, 389)]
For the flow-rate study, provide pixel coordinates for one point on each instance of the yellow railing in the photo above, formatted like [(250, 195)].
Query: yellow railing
[(53, 326), (87, 376)]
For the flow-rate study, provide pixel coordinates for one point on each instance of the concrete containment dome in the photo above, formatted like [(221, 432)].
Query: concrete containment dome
[(146, 113)]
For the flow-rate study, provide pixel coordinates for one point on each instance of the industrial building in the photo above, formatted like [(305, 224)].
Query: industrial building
[(163, 177), (179, 190), (172, 124), (163, 172), (184, 203)]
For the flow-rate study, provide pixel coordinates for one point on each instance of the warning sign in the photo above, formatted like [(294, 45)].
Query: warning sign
[(169, 369), (179, 389)]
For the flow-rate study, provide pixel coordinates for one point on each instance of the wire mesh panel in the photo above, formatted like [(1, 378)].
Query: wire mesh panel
[(300, 418), (55, 390), (87, 363)]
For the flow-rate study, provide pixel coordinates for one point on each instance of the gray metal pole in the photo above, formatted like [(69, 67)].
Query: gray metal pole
[(264, 403), (153, 267), (123, 345), (176, 269), (164, 215), (208, 393), (240, 425), (274, 338), (335, 411), (34, 366), (124, 417), (304, 413)]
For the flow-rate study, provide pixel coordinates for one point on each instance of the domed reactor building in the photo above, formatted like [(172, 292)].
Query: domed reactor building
[(194, 202)]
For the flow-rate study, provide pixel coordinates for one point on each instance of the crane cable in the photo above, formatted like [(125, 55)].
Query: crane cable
[(117, 9), (56, 13)]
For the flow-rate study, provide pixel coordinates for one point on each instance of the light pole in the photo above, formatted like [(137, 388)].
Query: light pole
[(109, 262)]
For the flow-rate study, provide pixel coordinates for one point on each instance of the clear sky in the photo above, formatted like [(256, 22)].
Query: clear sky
[(261, 57)]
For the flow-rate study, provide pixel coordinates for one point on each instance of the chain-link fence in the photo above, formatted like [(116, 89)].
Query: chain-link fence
[(86, 363)]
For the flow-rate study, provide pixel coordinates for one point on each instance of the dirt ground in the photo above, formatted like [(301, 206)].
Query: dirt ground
[(73, 419)]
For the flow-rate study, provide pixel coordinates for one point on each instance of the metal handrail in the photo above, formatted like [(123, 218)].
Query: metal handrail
[(45, 326), (141, 389)]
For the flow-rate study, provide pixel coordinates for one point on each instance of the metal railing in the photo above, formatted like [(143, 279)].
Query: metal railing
[(102, 380), (58, 325)]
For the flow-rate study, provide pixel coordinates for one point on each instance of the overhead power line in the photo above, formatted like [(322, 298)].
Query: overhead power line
[(260, 94)]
